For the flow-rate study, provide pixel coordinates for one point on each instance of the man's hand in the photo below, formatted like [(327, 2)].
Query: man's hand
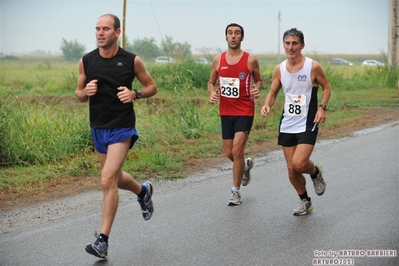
[(124, 94), (320, 117), (265, 110), (214, 96), (91, 88), (255, 92)]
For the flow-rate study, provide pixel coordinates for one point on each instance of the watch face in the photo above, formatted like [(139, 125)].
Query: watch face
[(138, 94)]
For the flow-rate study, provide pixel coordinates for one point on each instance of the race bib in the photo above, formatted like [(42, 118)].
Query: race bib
[(229, 87), (295, 105)]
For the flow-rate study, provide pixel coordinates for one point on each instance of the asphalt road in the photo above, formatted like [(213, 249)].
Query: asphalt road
[(192, 225)]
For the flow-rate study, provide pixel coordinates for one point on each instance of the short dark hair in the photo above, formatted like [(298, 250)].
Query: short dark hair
[(235, 25), (294, 32), (117, 22)]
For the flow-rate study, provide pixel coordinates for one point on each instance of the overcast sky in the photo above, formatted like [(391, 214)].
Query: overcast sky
[(329, 26)]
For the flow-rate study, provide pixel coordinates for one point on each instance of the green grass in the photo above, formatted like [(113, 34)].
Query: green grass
[(45, 136)]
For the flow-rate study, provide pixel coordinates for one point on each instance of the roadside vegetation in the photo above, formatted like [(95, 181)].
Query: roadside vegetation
[(45, 136)]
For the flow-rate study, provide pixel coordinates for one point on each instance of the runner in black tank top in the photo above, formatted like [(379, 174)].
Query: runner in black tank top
[(105, 79)]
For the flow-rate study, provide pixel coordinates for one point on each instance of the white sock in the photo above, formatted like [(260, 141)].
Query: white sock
[(235, 189)]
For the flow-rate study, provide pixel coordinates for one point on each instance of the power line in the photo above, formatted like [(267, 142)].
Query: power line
[(156, 20)]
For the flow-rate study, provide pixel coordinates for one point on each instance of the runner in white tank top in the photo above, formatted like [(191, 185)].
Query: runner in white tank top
[(297, 89), (300, 78)]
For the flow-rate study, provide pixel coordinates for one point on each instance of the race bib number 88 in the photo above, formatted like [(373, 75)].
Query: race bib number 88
[(229, 87), (295, 105)]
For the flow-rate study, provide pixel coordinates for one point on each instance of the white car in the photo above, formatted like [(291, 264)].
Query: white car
[(339, 61), (164, 60), (372, 63)]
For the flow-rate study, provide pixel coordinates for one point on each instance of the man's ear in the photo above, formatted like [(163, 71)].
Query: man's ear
[(118, 32)]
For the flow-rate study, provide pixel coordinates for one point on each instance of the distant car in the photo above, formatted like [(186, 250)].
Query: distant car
[(339, 61), (164, 60), (203, 61), (372, 63)]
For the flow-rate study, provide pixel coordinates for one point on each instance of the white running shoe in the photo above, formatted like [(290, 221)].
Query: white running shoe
[(304, 207), (235, 198)]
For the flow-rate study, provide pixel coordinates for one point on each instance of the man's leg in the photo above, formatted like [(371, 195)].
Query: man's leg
[(297, 158), (111, 177), (301, 161), (296, 178), (234, 150), (240, 139)]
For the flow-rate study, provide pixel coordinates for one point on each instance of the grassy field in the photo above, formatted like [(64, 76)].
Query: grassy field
[(45, 136)]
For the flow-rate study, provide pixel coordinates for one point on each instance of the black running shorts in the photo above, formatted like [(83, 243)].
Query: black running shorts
[(234, 124), (289, 140)]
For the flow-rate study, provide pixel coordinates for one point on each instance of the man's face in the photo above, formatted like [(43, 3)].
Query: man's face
[(292, 46), (234, 37), (106, 35)]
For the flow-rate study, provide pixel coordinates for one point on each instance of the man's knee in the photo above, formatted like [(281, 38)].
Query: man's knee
[(108, 182), (300, 166)]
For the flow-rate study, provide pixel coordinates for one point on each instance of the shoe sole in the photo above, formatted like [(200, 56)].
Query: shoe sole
[(325, 183), (89, 249), (152, 203), (234, 204), (245, 182), (325, 186)]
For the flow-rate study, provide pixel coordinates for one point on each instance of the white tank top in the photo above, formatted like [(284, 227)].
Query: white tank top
[(298, 113)]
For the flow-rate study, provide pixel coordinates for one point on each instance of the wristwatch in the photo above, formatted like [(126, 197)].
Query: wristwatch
[(324, 106), (138, 94)]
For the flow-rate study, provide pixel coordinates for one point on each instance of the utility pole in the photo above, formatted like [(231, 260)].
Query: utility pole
[(278, 34), (123, 24), (393, 32)]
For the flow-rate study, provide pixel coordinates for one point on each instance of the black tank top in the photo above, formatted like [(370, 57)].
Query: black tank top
[(106, 110)]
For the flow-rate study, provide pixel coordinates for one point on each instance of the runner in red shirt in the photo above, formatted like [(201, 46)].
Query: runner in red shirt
[(239, 83)]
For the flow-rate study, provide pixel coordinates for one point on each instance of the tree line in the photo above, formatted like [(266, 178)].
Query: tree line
[(146, 48)]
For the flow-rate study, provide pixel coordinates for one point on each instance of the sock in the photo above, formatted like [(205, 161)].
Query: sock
[(304, 196), (315, 174), (142, 193), (235, 189), (104, 237)]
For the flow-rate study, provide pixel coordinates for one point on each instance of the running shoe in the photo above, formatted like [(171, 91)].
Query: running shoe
[(304, 207), (319, 183), (99, 248), (246, 179), (235, 198), (147, 207)]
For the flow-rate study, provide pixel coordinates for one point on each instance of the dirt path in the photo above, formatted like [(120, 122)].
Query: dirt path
[(75, 185)]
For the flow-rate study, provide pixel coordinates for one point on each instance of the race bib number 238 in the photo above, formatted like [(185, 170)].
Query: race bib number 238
[(229, 87)]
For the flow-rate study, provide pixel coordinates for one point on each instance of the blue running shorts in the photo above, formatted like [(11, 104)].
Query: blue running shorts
[(103, 137)]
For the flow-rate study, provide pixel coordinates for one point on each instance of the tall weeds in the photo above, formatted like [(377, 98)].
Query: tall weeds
[(41, 122)]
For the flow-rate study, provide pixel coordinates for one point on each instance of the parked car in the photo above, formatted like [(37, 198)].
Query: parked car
[(164, 60), (339, 61), (203, 61), (371, 62)]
